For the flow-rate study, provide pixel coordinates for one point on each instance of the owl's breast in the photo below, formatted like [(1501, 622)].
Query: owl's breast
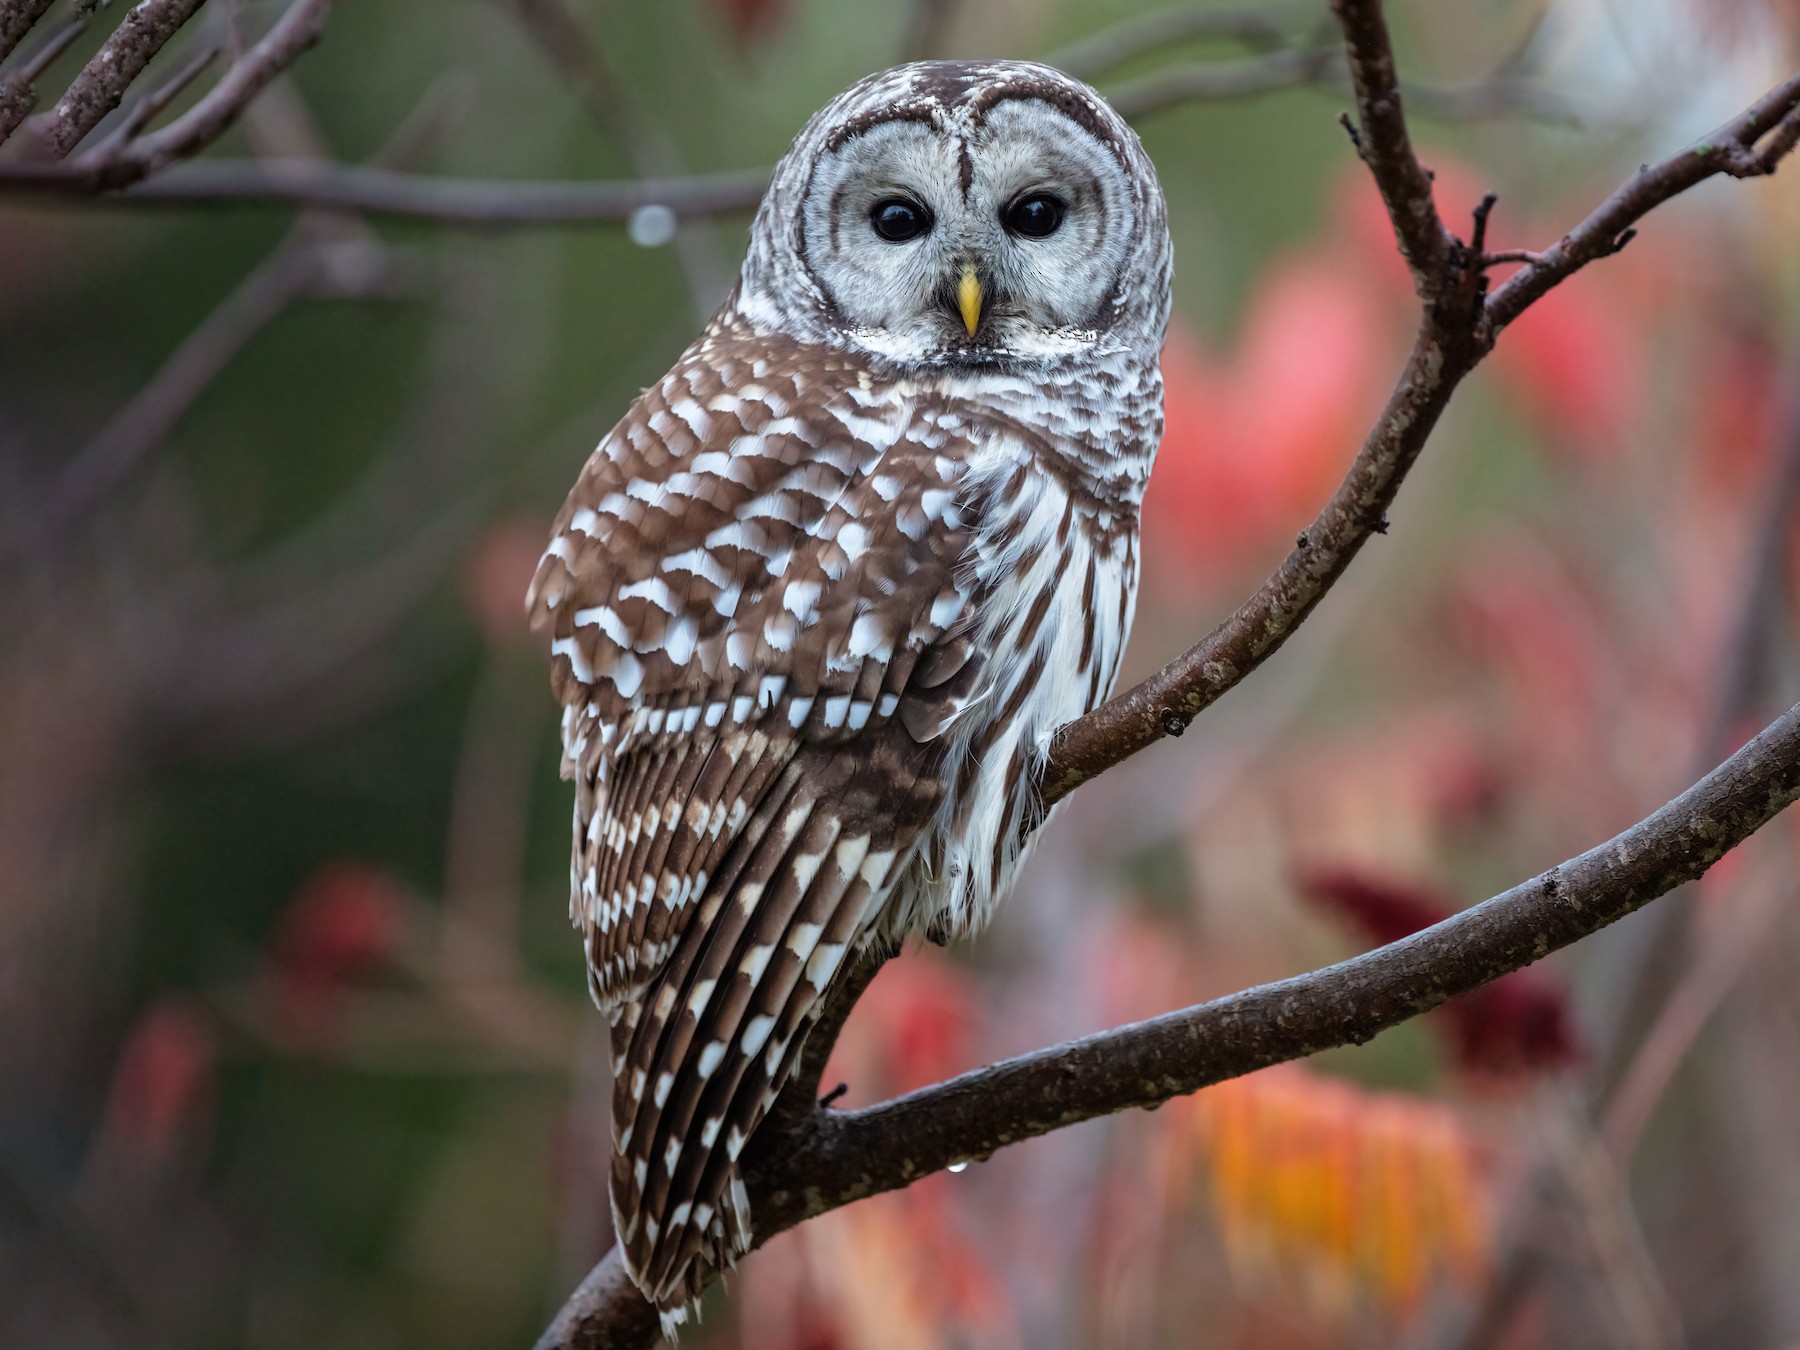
[(1051, 569)]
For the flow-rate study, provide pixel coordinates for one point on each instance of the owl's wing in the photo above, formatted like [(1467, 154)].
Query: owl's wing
[(759, 629)]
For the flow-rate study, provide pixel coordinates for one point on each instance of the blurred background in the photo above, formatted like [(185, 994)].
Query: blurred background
[(294, 1044)]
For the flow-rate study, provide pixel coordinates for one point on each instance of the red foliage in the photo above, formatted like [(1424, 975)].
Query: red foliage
[(1520, 1024), (750, 20), (1576, 361), (1516, 610), (1256, 440), (162, 1086), (913, 1027), (345, 921)]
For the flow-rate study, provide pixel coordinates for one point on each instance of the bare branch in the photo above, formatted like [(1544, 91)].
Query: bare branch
[(1387, 148), (1444, 352), (1178, 1053), (1751, 144), (1449, 281), (101, 85)]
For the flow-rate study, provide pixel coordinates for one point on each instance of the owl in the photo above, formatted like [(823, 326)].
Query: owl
[(819, 601)]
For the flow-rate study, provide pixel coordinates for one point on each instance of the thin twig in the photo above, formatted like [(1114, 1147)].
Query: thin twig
[(1323, 67), (1738, 148), (1195, 81), (1684, 1015), (501, 203), (147, 418)]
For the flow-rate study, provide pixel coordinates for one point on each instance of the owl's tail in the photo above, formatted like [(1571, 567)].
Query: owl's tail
[(701, 1054)]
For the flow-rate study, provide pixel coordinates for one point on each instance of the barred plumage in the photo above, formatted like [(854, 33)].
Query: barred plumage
[(818, 601)]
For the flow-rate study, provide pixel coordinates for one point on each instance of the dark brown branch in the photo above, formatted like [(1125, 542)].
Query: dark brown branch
[(1387, 149), (102, 83), (1178, 1053), (1751, 144)]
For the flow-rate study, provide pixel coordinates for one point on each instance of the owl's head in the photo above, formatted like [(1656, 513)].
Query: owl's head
[(963, 213)]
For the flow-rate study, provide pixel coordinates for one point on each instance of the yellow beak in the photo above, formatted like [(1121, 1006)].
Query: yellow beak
[(968, 299)]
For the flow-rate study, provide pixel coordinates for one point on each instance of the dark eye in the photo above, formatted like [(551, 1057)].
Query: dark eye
[(1035, 217), (896, 220)]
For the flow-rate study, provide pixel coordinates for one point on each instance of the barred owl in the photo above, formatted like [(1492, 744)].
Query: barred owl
[(817, 604)]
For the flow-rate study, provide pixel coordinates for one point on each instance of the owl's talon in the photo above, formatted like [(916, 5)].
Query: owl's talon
[(830, 1097)]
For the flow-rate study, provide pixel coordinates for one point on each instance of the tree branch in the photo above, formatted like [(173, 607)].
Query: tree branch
[(1386, 147), (847, 1155), (1733, 149)]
